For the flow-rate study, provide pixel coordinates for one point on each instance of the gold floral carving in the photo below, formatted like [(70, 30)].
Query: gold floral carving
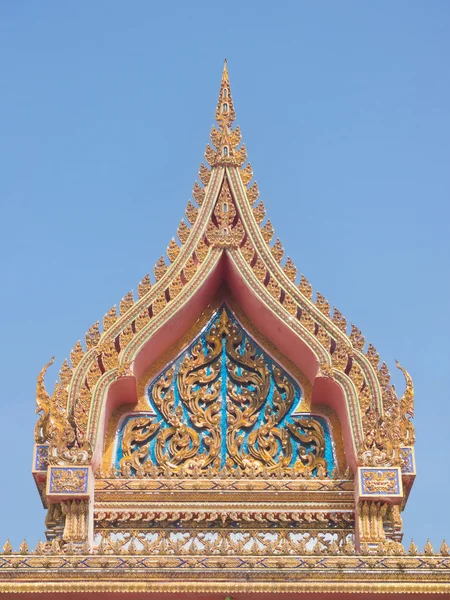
[(68, 480), (144, 286), (379, 481), (199, 387), (227, 230)]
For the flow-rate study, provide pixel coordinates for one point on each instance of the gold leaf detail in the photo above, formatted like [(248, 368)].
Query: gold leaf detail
[(76, 354), (191, 212), (204, 174), (173, 250), (323, 337), (277, 250), (175, 287), (201, 251), (109, 319), (159, 303), (384, 376), (160, 268), (267, 231), (216, 137), (109, 356), (198, 193), (240, 156), (126, 303), (93, 374), (189, 269), (125, 337), (260, 270), (322, 304), (357, 339), (248, 251), (373, 356), (339, 320), (235, 137), (183, 232), (144, 286), (142, 319), (65, 374), (259, 212), (246, 174), (290, 305), (210, 155), (339, 358), (290, 269), (92, 336), (305, 287), (253, 193), (307, 321), (274, 289)]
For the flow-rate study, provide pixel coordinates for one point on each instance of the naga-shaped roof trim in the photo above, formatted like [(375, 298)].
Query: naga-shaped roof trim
[(225, 221)]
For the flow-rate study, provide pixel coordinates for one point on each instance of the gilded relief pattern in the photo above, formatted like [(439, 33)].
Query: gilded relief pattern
[(224, 404)]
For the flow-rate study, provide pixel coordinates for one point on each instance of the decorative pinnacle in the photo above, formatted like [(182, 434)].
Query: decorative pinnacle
[(224, 139), (225, 114)]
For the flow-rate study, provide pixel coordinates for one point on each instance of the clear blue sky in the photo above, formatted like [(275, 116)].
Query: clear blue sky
[(106, 108)]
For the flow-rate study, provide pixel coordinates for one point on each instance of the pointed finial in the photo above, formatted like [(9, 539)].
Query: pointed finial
[(225, 114), (225, 70)]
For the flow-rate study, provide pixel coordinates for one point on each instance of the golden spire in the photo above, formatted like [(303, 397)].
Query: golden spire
[(224, 138)]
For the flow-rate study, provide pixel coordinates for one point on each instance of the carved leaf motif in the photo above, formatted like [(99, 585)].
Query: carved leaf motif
[(201, 251), (144, 286), (189, 269), (191, 213), (357, 339), (109, 356), (183, 232), (307, 321), (246, 174), (126, 303), (92, 336), (253, 193), (384, 376), (109, 319), (248, 251), (290, 269), (93, 374), (240, 155), (267, 231), (198, 194), (373, 356), (210, 155), (274, 289), (160, 268), (339, 358), (125, 337), (142, 319), (76, 354), (339, 320), (260, 270), (159, 304), (173, 250), (305, 287), (204, 174), (65, 373), (322, 304), (259, 212), (277, 250), (235, 137), (216, 137), (175, 287), (290, 305)]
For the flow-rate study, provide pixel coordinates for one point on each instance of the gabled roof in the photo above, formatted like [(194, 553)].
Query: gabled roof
[(226, 237)]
